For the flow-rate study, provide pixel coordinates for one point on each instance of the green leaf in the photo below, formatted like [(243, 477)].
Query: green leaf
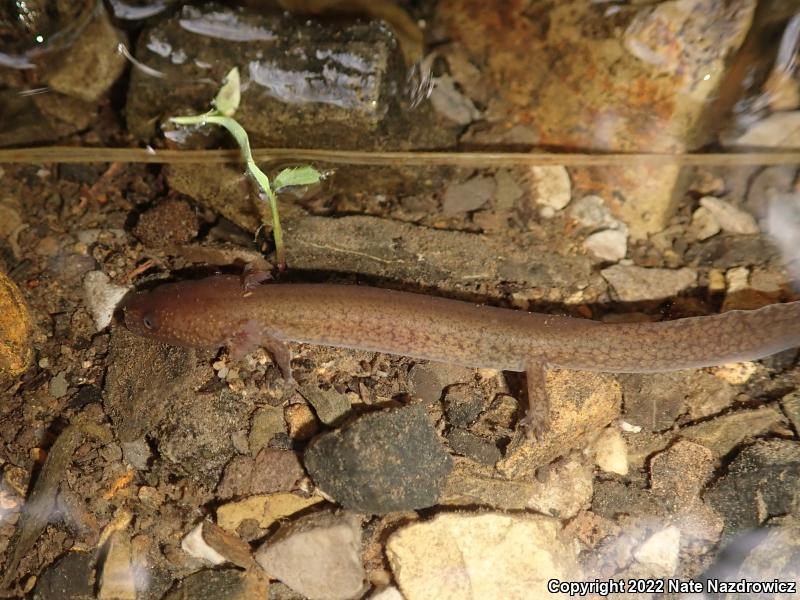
[(305, 175), (227, 100)]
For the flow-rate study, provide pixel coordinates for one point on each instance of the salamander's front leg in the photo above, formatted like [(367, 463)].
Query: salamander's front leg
[(252, 336), (537, 420)]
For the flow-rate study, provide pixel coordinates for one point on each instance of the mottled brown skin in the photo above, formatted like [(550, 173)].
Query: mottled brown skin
[(218, 311)]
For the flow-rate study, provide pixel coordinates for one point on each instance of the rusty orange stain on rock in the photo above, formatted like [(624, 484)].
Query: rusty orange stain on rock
[(16, 328)]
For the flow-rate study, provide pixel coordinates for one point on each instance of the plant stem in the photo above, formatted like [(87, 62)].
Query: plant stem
[(240, 135)]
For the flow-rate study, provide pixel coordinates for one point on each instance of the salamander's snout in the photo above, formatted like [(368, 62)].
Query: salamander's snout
[(140, 316)]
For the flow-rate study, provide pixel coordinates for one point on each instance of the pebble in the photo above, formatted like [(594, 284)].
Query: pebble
[(267, 422), (384, 461), (760, 483), (790, 404), (428, 380), (59, 385), (488, 555), (215, 545), (301, 421), (473, 446), (661, 551), (116, 575), (265, 509), (508, 190), (318, 555), (272, 470), (634, 284), (102, 297), (611, 452), (592, 212), (450, 102), (567, 491), (778, 130), (609, 244), (329, 404), (225, 584), (137, 453), (169, 223), (387, 593), (552, 188), (704, 224), (462, 197), (730, 218), (69, 578)]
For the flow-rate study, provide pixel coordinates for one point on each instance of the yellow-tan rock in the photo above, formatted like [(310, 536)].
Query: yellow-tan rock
[(15, 332)]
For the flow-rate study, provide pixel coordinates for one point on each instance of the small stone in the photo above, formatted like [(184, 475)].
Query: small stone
[(318, 555), (301, 421), (473, 447), (636, 284), (508, 190), (488, 555), (168, 223), (428, 380), (730, 218), (468, 195), (116, 574), (267, 422), (778, 130), (382, 462), (59, 385), (592, 212), (272, 470), (265, 509), (215, 545), (463, 405), (568, 490), (735, 373), (737, 279), (227, 584), (680, 472), (791, 406), (387, 593), (101, 297), (451, 103), (611, 453), (69, 578), (194, 545), (137, 453), (329, 405), (760, 483), (704, 224), (661, 551), (551, 187), (609, 244)]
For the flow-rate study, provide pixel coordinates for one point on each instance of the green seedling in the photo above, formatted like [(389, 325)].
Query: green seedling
[(225, 105)]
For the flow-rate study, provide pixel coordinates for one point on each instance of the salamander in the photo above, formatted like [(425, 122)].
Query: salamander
[(219, 311)]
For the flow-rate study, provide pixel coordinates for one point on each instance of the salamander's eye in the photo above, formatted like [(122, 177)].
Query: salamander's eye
[(149, 321)]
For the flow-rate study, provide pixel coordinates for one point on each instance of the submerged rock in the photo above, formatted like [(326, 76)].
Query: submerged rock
[(382, 462)]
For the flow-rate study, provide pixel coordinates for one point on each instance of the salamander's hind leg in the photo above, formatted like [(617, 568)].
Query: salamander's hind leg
[(537, 420)]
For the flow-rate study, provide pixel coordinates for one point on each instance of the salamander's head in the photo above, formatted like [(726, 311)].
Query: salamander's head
[(194, 314)]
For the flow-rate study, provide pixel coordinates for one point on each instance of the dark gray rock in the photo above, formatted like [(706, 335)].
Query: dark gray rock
[(463, 405), (761, 482), (305, 82), (69, 578), (224, 584), (473, 447), (382, 462)]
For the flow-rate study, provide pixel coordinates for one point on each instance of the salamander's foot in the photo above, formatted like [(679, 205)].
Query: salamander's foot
[(253, 276), (536, 421)]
